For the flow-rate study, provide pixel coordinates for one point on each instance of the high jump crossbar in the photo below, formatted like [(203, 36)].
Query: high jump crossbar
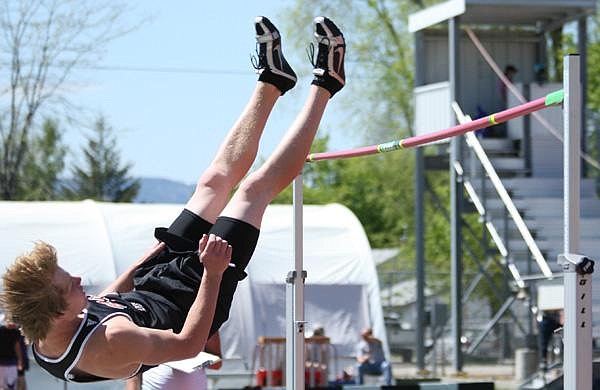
[(552, 99)]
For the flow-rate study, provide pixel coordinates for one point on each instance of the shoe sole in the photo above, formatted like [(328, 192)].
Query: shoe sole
[(322, 22), (335, 40), (269, 37)]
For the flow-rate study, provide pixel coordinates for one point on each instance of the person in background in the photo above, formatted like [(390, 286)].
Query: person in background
[(550, 321), (541, 76), (371, 358), (509, 71), (163, 377), (317, 357), (21, 382), (11, 356)]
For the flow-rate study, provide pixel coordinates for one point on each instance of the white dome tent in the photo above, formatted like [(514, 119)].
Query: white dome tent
[(99, 240)]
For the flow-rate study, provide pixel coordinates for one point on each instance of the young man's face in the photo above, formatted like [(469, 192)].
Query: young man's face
[(366, 335), (71, 288)]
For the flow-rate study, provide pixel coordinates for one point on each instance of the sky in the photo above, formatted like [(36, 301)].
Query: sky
[(170, 120)]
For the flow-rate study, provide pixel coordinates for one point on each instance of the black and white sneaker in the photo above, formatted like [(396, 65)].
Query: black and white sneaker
[(329, 64), (269, 61)]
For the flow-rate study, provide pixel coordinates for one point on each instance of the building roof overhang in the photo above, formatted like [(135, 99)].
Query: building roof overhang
[(543, 14)]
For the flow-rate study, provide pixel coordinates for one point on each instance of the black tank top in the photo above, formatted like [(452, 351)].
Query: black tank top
[(99, 310)]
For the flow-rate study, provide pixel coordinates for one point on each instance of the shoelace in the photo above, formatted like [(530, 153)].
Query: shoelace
[(259, 61), (321, 55)]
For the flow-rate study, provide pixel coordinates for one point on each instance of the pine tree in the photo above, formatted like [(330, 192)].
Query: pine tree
[(102, 176), (43, 42)]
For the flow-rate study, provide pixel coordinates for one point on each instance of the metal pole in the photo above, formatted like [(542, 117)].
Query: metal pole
[(506, 236), (531, 339), (526, 147), (582, 42), (420, 257), (289, 331), (419, 222), (295, 300), (456, 199), (578, 321), (491, 323), (483, 218)]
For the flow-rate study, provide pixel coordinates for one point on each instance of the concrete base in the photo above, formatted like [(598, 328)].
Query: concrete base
[(416, 381), (526, 363), (458, 386), (427, 386)]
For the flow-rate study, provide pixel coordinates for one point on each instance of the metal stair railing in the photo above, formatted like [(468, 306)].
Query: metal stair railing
[(479, 152), (511, 213), (482, 268)]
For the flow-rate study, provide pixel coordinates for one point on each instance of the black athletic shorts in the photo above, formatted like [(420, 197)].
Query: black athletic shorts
[(168, 283)]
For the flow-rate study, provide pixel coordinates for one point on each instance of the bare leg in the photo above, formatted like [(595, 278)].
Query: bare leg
[(235, 155), (238, 151), (259, 188)]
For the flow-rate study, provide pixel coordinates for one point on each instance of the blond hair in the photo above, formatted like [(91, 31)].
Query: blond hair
[(30, 299)]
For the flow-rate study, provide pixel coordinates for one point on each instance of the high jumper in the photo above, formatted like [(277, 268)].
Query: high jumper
[(166, 305)]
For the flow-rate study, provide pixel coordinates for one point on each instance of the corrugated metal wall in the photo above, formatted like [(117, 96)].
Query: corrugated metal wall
[(479, 85), (546, 149)]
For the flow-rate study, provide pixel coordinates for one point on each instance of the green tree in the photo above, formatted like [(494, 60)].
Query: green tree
[(366, 186), (593, 63), (41, 43), (379, 61), (379, 189), (593, 93), (102, 176), (380, 74), (43, 164)]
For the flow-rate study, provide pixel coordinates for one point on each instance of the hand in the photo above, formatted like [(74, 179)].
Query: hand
[(154, 250), (150, 253), (215, 254)]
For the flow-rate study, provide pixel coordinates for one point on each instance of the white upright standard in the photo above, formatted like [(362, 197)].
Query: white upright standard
[(294, 372), (577, 268)]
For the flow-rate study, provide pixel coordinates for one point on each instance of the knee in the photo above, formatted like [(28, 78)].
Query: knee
[(213, 180), (255, 188)]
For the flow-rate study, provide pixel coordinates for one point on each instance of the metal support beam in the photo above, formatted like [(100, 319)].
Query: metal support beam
[(420, 257), (456, 199), (495, 290), (469, 251), (490, 325), (476, 279), (526, 146), (419, 221)]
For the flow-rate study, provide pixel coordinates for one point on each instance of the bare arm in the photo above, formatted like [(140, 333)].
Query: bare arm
[(134, 383), (124, 282), (362, 358), (361, 354), (213, 345), (19, 354), (150, 346)]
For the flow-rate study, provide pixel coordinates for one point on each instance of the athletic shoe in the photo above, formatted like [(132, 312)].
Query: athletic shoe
[(271, 65), (329, 65)]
